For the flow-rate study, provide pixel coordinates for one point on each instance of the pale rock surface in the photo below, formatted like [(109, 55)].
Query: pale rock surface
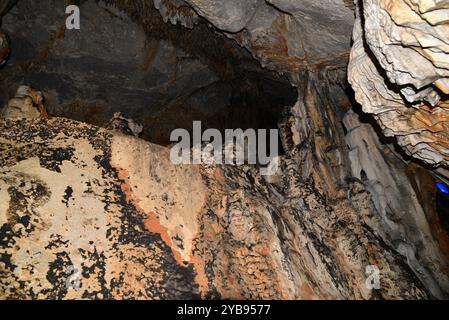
[(177, 11), (399, 70), (27, 103), (401, 223)]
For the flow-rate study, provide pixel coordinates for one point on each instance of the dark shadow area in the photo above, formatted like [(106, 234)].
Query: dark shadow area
[(128, 60)]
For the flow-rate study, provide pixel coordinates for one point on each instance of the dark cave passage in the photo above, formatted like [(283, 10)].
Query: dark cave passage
[(156, 75)]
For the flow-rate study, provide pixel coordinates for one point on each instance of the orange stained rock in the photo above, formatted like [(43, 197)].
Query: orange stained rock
[(43, 111), (306, 292), (151, 221), (153, 225)]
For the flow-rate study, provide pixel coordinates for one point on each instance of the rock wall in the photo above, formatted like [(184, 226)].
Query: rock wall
[(343, 200), (339, 161), (400, 73)]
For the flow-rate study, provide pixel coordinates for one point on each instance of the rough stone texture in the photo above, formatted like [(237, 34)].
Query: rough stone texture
[(285, 35), (177, 11), (135, 75), (4, 48), (342, 200), (137, 226), (27, 103), (399, 71), (150, 72), (404, 224), (130, 61), (231, 16), (124, 125), (71, 208), (317, 147)]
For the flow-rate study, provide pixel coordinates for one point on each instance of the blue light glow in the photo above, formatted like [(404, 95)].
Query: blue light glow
[(443, 188)]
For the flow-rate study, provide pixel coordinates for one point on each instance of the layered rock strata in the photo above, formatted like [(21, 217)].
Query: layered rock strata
[(399, 70)]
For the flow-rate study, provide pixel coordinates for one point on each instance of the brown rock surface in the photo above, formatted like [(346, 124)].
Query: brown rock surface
[(399, 71), (136, 226)]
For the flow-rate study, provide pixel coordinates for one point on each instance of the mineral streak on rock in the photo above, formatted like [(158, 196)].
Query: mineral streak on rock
[(376, 165), (171, 197), (399, 70), (285, 35), (136, 226)]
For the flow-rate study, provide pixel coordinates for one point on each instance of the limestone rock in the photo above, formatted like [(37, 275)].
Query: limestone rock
[(151, 70), (177, 11), (399, 71), (286, 36), (91, 213), (356, 167), (404, 224), (88, 214), (231, 15)]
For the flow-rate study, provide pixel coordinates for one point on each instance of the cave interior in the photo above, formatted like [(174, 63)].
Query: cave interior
[(128, 58)]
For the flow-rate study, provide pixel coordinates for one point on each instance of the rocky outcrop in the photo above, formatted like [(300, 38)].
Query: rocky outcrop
[(406, 225), (124, 125), (27, 103), (90, 214), (150, 71), (400, 73), (399, 201)]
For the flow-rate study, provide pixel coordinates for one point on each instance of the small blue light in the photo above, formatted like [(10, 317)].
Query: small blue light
[(443, 188)]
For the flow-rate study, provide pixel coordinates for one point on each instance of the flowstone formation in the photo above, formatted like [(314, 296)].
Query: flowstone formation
[(399, 70)]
